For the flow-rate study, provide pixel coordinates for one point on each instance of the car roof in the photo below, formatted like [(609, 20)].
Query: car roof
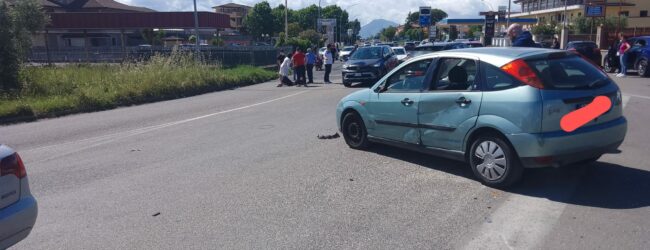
[(497, 56), (397, 47)]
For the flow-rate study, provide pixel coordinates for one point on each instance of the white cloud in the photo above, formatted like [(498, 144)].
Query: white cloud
[(365, 10)]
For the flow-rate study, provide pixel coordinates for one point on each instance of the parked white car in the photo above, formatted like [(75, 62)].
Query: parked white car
[(400, 53), (345, 52)]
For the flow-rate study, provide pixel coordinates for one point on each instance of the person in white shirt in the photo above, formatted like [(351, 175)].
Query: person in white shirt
[(329, 59), (284, 72)]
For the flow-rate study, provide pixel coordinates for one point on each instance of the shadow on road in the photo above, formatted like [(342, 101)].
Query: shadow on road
[(601, 184)]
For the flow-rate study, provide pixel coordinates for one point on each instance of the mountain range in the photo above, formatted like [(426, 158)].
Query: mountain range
[(375, 26)]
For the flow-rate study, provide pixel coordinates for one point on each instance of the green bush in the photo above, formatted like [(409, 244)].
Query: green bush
[(50, 91)]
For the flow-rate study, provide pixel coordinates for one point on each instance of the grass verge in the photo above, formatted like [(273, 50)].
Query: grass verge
[(55, 91)]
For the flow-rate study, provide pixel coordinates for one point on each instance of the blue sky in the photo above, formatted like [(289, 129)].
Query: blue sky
[(364, 10)]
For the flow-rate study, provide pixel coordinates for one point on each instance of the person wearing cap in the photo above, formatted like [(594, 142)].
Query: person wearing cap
[(519, 37), (311, 60)]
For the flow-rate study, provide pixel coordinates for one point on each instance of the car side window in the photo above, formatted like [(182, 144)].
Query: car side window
[(496, 79), (409, 78), (386, 51), (455, 74)]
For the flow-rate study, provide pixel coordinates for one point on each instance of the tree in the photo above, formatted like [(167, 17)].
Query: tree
[(260, 19), (312, 36), (294, 29), (414, 34), (17, 25), (437, 15), (148, 35), (192, 39), (29, 17), (9, 63), (388, 34), (585, 25), (546, 29)]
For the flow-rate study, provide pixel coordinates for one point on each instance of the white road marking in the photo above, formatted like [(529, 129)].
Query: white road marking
[(626, 99), (639, 96), (143, 130)]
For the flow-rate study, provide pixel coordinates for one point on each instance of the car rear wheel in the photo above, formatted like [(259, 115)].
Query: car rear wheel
[(354, 131), (643, 68), (347, 83), (494, 162), (608, 68)]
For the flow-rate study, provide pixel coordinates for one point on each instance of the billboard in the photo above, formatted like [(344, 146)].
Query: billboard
[(328, 27)]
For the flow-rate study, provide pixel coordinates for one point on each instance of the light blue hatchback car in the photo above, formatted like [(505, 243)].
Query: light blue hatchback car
[(498, 109)]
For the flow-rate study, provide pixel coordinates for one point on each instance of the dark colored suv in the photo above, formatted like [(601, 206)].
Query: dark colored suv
[(588, 49), (368, 64), (638, 56)]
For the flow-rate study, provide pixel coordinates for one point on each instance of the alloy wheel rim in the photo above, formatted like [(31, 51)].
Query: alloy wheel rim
[(492, 162), (643, 66)]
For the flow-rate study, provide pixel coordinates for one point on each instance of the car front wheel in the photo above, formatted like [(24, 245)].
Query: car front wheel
[(494, 162), (643, 68), (354, 131)]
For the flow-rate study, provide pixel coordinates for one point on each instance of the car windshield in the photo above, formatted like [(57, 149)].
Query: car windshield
[(399, 51), (568, 72), (367, 53)]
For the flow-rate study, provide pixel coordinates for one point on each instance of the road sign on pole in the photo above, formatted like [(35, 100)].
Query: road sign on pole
[(425, 16)]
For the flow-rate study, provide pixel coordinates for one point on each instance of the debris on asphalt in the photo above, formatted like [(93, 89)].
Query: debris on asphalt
[(328, 137), (351, 179), (156, 214), (135, 150)]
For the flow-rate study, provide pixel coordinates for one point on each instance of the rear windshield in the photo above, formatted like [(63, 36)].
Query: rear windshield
[(568, 72), (399, 51)]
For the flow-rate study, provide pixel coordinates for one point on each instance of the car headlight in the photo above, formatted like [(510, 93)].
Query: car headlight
[(377, 65), (345, 66)]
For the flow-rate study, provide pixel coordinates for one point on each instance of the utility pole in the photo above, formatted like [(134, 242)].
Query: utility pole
[(286, 21), (508, 16), (196, 29)]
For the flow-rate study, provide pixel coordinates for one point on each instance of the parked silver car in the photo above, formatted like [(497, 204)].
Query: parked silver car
[(499, 109), (18, 209)]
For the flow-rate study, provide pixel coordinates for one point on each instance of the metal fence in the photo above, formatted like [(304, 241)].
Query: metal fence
[(226, 56)]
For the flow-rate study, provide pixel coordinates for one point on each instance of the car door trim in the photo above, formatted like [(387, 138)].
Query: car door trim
[(439, 152), (437, 127), (413, 125), (401, 124)]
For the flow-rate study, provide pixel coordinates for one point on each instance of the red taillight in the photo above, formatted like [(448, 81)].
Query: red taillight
[(520, 70), (12, 165)]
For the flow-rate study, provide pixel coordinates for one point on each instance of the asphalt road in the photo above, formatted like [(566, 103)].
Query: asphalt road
[(243, 169)]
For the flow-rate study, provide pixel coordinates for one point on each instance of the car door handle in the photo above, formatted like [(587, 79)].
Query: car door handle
[(407, 102), (463, 101)]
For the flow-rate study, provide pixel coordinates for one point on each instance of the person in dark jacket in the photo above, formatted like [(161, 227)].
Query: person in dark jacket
[(519, 37)]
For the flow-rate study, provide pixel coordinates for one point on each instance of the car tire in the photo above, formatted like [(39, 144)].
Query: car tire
[(642, 67), (500, 166), (608, 68), (347, 84), (354, 131)]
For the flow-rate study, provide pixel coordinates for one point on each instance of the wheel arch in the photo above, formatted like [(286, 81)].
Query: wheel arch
[(475, 133)]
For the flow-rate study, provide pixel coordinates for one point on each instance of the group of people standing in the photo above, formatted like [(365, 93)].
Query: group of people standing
[(303, 66)]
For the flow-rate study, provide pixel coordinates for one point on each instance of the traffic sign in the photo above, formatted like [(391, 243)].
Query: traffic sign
[(594, 11)]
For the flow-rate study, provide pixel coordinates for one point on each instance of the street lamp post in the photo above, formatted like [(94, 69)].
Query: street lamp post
[(196, 28), (286, 21)]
